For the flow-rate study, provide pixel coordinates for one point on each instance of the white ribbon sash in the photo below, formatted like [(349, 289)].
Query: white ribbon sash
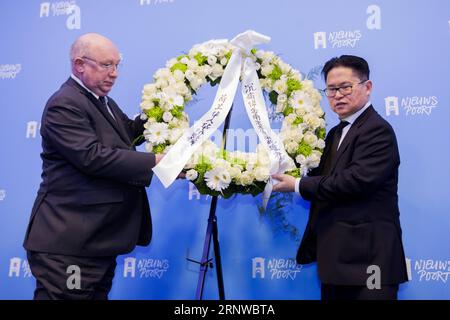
[(174, 161)]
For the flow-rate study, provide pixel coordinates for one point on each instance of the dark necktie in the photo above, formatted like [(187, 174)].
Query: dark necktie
[(104, 102), (334, 146)]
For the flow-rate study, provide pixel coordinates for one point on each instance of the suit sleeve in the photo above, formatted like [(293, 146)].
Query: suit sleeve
[(374, 159), (71, 133), (136, 126)]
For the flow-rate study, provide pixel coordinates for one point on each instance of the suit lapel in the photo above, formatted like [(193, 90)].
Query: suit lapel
[(120, 124), (351, 134), (326, 152), (117, 125)]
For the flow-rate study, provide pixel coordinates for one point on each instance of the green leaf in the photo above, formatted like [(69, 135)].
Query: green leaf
[(273, 97)]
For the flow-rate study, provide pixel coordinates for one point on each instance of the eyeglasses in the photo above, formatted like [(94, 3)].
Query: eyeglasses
[(105, 66), (344, 90)]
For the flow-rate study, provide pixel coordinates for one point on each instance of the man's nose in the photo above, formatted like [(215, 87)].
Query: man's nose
[(338, 94)]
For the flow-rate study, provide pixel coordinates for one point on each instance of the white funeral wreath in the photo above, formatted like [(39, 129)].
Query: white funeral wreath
[(220, 172)]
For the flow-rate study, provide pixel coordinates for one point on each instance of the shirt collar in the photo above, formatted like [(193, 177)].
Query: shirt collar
[(74, 77), (351, 118)]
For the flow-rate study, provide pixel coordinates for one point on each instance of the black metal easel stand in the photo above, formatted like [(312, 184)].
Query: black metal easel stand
[(212, 231)]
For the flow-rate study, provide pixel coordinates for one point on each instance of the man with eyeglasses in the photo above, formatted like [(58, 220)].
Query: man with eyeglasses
[(353, 230), (91, 205)]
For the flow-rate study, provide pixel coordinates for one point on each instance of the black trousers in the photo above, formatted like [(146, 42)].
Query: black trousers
[(336, 292), (60, 277)]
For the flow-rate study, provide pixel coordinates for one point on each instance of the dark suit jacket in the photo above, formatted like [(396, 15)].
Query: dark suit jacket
[(354, 215), (92, 200)]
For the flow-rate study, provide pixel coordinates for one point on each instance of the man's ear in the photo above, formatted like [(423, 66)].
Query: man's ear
[(78, 65), (369, 86)]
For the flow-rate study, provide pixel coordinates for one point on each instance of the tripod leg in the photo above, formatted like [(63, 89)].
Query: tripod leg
[(218, 260), (205, 257)]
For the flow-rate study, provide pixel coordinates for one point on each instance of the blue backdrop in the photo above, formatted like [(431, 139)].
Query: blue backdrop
[(407, 44)]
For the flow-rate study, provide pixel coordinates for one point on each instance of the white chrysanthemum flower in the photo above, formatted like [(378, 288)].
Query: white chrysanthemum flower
[(217, 179), (280, 86), (300, 100), (191, 175), (157, 132)]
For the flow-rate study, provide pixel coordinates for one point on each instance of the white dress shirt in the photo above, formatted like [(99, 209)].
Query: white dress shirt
[(74, 77)]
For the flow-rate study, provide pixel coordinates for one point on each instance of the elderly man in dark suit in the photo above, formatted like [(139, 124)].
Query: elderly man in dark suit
[(353, 231), (91, 205)]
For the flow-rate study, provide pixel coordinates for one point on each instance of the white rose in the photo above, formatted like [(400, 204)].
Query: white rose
[(149, 89), (246, 178), (261, 173), (291, 147), (320, 143), (223, 61), (195, 83), (167, 116), (235, 172), (310, 139), (212, 60), (301, 159), (281, 99), (266, 69), (178, 75), (217, 70), (171, 62), (189, 74), (191, 175), (147, 104)]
